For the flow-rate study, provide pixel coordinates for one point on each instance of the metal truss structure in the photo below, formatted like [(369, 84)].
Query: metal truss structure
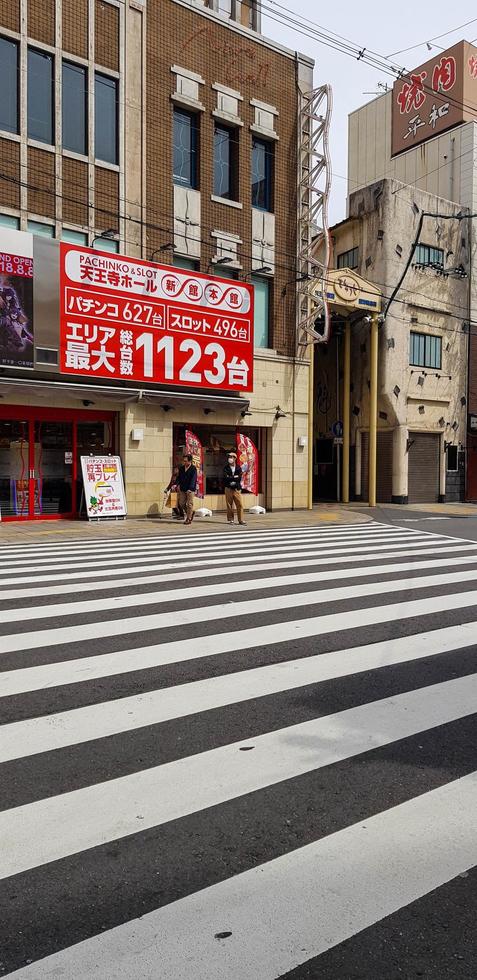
[(314, 183)]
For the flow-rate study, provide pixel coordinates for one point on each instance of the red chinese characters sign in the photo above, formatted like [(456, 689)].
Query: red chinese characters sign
[(435, 97), (124, 319)]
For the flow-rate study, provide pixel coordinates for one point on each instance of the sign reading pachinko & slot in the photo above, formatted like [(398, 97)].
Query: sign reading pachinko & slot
[(16, 311), (103, 486), (196, 450), (247, 453), (130, 320)]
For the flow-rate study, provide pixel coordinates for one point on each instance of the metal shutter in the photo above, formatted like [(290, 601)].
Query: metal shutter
[(423, 474), (384, 474)]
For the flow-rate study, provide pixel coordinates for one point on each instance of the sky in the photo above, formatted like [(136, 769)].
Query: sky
[(375, 25)]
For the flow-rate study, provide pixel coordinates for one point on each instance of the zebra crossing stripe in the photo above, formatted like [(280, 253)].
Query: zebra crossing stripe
[(138, 599), (104, 568), (56, 827), (80, 725), (280, 914)]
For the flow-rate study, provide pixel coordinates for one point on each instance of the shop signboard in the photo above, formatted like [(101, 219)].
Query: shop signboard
[(129, 320), (196, 450), (16, 310), (103, 486), (435, 97), (247, 454)]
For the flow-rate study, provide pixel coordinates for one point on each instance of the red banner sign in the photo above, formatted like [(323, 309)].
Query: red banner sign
[(247, 454), (126, 319), (195, 448)]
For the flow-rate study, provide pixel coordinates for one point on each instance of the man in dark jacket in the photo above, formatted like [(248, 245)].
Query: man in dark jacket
[(233, 488), (187, 486)]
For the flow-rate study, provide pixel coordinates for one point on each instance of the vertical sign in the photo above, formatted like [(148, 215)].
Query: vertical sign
[(195, 448), (16, 310), (247, 453)]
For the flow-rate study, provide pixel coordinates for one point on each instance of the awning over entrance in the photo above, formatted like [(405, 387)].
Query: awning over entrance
[(163, 396)]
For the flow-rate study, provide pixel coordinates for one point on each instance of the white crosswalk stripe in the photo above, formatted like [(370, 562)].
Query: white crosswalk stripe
[(166, 698)]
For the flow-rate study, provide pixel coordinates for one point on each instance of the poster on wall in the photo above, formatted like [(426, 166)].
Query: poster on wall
[(136, 321), (195, 448), (16, 311), (247, 454), (103, 486)]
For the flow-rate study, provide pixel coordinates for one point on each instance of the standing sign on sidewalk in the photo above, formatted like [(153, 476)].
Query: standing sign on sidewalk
[(103, 486)]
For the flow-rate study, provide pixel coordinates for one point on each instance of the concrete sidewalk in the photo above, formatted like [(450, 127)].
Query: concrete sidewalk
[(29, 532)]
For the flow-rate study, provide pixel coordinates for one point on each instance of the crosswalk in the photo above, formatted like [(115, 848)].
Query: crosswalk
[(231, 756)]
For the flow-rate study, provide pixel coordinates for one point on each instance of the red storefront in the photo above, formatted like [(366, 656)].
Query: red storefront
[(40, 450)]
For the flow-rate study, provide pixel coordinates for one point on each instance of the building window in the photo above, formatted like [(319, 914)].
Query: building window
[(226, 8), (105, 118), (9, 85), (38, 228), (74, 237), (40, 96), (428, 255), (106, 244), (185, 148), (452, 459), (183, 263), (262, 174), (9, 221), (425, 350), (348, 260), (74, 108), (261, 318), (224, 271), (225, 163)]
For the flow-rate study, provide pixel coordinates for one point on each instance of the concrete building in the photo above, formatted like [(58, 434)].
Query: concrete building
[(423, 133), (423, 351), (165, 131)]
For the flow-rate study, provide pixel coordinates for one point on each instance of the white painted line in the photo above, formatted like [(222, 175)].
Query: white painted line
[(237, 570), (24, 564), (253, 607), (211, 566), (288, 911), (46, 676), (53, 828), (79, 725), (165, 543), (141, 599)]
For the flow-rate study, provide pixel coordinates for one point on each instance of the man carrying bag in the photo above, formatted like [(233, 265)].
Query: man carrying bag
[(187, 486), (233, 489)]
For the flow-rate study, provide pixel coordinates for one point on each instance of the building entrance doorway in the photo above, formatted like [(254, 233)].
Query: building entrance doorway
[(40, 450)]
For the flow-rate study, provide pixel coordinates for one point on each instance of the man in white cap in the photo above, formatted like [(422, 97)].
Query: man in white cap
[(233, 488)]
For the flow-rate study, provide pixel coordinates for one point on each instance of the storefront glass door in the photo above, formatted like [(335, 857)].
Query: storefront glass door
[(40, 471), (14, 468), (53, 468)]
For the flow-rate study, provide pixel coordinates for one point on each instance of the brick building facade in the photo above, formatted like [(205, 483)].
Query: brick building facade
[(88, 143)]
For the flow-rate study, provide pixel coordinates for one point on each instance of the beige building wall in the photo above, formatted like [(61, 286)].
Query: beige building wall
[(148, 464), (443, 166), (424, 304)]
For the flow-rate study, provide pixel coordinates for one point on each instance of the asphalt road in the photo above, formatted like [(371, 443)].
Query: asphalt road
[(250, 757)]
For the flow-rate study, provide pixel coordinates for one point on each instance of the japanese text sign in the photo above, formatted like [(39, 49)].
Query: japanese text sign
[(16, 311), (435, 97), (103, 486), (126, 319)]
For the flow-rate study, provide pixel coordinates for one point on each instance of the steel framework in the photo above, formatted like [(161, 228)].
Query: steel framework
[(314, 183)]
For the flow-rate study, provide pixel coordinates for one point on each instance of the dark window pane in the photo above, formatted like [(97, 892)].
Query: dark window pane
[(74, 109), (223, 162), (262, 174), (348, 260), (40, 96), (9, 85), (106, 118), (185, 148), (425, 350)]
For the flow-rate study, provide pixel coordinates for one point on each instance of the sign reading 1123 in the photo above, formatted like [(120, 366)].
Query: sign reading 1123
[(126, 319)]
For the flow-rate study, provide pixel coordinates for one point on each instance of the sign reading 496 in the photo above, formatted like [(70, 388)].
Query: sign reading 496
[(129, 320)]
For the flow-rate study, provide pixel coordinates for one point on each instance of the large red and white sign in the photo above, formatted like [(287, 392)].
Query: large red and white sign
[(126, 319)]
